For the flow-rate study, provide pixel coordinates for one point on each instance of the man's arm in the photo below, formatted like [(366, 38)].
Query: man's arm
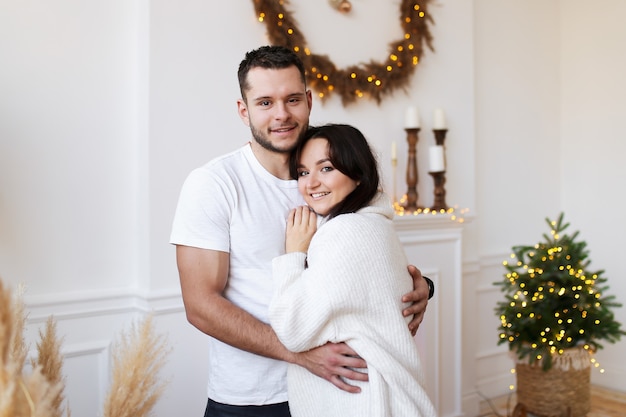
[(203, 278), (419, 298)]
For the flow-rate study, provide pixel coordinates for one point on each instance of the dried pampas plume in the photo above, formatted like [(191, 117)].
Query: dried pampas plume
[(50, 362), (137, 359), (39, 394), (10, 370)]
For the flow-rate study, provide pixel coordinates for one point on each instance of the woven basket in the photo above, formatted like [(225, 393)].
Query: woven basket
[(564, 388)]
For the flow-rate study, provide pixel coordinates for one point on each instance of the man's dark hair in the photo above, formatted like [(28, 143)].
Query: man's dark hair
[(350, 153), (270, 57)]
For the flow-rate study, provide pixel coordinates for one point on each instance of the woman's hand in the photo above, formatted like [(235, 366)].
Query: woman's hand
[(301, 226)]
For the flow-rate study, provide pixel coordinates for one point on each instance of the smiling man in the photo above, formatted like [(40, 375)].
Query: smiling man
[(230, 224)]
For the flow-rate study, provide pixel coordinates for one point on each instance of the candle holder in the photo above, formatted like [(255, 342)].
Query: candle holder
[(440, 138), (394, 169), (411, 171), (439, 178), (439, 191)]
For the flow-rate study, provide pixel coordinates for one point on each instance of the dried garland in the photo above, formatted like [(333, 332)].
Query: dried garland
[(374, 79)]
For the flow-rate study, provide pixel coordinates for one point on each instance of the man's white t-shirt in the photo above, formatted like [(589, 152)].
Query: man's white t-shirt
[(232, 204)]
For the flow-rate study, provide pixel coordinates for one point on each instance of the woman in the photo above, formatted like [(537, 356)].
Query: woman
[(344, 281)]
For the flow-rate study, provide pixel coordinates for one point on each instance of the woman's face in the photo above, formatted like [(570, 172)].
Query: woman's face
[(321, 185)]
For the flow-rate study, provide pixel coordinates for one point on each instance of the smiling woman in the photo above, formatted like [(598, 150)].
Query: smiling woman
[(375, 79), (342, 277)]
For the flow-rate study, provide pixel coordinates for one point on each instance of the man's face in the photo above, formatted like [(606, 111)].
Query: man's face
[(277, 109)]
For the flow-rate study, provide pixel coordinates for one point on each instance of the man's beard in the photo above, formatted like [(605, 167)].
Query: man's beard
[(265, 143)]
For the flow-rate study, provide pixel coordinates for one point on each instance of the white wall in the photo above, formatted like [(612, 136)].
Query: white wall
[(106, 106), (549, 101), (593, 145), (517, 156), (68, 111)]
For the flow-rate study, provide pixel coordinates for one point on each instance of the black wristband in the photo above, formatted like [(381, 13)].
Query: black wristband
[(431, 287)]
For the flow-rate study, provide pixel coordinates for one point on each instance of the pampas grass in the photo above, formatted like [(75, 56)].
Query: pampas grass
[(137, 359), (50, 362), (19, 350), (8, 381), (23, 395)]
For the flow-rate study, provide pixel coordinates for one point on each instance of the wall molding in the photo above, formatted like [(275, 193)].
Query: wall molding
[(100, 303)]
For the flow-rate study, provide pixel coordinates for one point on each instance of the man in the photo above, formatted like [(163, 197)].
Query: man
[(230, 224)]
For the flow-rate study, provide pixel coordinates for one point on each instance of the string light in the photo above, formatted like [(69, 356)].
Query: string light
[(575, 313), (374, 79), (452, 213)]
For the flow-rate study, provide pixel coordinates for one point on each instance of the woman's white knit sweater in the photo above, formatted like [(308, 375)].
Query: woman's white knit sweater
[(350, 291)]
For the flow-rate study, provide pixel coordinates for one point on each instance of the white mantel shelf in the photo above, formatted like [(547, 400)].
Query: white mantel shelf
[(433, 243), (430, 221)]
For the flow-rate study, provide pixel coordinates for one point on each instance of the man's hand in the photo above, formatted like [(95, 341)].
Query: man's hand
[(419, 298), (332, 362)]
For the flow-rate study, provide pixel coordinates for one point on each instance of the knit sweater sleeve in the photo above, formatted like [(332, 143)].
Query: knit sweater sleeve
[(309, 302)]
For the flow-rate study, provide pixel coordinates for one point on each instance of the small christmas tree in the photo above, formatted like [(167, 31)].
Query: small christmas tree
[(553, 302)]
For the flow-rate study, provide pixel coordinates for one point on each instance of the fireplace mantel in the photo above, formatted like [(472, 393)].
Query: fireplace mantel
[(433, 243)]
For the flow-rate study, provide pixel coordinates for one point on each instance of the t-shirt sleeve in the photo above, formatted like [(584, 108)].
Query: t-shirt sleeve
[(202, 214)]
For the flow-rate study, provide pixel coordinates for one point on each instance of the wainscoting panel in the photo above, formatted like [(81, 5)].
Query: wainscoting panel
[(457, 340), (89, 324), (86, 365), (493, 363), (434, 244)]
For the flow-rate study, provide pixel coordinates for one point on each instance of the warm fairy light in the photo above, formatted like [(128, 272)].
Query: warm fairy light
[(391, 73), (573, 315), (453, 213)]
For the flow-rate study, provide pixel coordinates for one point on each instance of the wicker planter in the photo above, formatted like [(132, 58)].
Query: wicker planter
[(563, 389)]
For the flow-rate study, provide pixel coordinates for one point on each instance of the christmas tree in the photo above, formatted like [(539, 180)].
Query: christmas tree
[(553, 301)]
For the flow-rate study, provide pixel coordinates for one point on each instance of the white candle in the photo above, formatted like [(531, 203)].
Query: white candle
[(394, 151), (439, 120), (436, 159), (412, 118)]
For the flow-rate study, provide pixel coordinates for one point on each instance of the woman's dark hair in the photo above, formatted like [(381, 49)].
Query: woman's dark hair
[(268, 57), (350, 153)]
